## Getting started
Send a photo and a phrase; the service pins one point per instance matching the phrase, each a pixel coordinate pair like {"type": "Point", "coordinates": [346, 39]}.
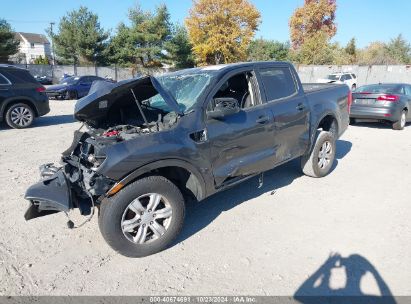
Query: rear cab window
{"type": "Point", "coordinates": [278, 83]}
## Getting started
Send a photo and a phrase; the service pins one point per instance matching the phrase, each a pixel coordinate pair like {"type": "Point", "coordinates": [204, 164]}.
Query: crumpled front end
{"type": "Point", "coordinates": [75, 184]}
{"type": "Point", "coordinates": [50, 195]}
{"type": "Point", "coordinates": [112, 114]}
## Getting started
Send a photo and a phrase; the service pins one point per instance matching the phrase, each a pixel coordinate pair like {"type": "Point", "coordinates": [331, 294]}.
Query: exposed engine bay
{"type": "Point", "coordinates": [119, 113]}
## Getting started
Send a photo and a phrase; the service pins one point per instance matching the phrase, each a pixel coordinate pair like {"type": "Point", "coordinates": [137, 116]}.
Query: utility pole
{"type": "Point", "coordinates": [53, 56]}
{"type": "Point", "coordinates": [52, 43]}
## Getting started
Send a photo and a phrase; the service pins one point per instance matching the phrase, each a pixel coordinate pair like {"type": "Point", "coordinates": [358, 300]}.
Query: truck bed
{"type": "Point", "coordinates": [322, 96]}
{"type": "Point", "coordinates": [315, 87]}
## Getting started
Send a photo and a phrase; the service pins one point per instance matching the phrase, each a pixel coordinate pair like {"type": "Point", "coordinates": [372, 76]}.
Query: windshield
{"type": "Point", "coordinates": [69, 80]}
{"type": "Point", "coordinates": [380, 89]}
{"type": "Point", "coordinates": [185, 88]}
{"type": "Point", "coordinates": [333, 77]}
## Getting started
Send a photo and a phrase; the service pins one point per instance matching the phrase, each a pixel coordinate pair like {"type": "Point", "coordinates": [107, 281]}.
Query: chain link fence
{"type": "Point", "coordinates": [56, 72]}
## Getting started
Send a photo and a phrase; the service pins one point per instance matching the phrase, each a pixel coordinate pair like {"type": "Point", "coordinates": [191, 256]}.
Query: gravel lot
{"type": "Point", "coordinates": [245, 241]}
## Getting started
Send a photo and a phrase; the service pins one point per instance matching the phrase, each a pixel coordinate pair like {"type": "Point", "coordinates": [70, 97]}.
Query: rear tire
{"type": "Point", "coordinates": [400, 124]}
{"type": "Point", "coordinates": [319, 162]}
{"type": "Point", "coordinates": [71, 95]}
{"type": "Point", "coordinates": [131, 228]}
{"type": "Point", "coordinates": [19, 116]}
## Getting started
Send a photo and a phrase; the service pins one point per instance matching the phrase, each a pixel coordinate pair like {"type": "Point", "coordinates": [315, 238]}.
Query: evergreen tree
{"type": "Point", "coordinates": [9, 45]}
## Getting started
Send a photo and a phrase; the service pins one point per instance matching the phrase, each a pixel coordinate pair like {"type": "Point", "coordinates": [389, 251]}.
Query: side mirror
{"type": "Point", "coordinates": [224, 106]}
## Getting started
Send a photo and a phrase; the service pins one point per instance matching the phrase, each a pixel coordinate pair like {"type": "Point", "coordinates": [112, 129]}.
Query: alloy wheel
{"type": "Point", "coordinates": [146, 218]}
{"type": "Point", "coordinates": [403, 119]}
{"type": "Point", "coordinates": [21, 116]}
{"type": "Point", "coordinates": [325, 155]}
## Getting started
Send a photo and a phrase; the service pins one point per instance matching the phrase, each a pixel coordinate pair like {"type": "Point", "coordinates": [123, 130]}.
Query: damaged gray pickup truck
{"type": "Point", "coordinates": [149, 145]}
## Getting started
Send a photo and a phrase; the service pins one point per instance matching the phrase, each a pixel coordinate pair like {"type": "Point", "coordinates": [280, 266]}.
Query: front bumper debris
{"type": "Point", "coordinates": [51, 195]}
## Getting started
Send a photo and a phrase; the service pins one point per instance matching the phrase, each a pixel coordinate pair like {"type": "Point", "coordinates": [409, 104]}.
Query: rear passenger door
{"type": "Point", "coordinates": [5, 89]}
{"type": "Point", "coordinates": [289, 109]}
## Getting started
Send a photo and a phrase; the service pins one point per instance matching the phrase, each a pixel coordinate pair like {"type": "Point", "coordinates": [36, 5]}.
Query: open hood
{"type": "Point", "coordinates": [103, 95]}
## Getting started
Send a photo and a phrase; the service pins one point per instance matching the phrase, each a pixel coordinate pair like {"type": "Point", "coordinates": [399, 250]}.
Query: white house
{"type": "Point", "coordinates": [31, 47]}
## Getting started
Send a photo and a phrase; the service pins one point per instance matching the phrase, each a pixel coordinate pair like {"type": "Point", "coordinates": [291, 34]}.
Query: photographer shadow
{"type": "Point", "coordinates": [318, 287]}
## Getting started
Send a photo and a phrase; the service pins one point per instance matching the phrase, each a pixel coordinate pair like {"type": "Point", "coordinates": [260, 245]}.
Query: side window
{"type": "Point", "coordinates": [86, 80]}
{"type": "Point", "coordinates": [3, 80]}
{"type": "Point", "coordinates": [278, 83]}
{"type": "Point", "coordinates": [240, 87]}
{"type": "Point", "coordinates": [348, 77]}
{"type": "Point", "coordinates": [19, 76]}
{"type": "Point", "coordinates": [408, 90]}
{"type": "Point", "coordinates": [343, 78]}
{"type": "Point", "coordinates": [93, 78]}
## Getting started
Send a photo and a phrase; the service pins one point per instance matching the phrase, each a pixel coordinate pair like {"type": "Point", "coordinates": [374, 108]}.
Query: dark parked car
{"type": "Point", "coordinates": [72, 87]}
{"type": "Point", "coordinates": [153, 143]}
{"type": "Point", "coordinates": [384, 102]}
{"type": "Point", "coordinates": [22, 98]}
{"type": "Point", "coordinates": [45, 80]}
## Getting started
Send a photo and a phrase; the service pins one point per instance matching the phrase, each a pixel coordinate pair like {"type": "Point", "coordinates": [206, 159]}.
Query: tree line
{"type": "Point", "coordinates": [214, 32]}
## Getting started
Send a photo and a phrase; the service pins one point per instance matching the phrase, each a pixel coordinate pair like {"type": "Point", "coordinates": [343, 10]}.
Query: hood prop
{"type": "Point", "coordinates": [141, 110]}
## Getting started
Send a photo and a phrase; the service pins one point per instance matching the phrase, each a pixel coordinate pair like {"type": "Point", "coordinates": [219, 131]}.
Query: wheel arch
{"type": "Point", "coordinates": [327, 122]}
{"type": "Point", "coordinates": [184, 175]}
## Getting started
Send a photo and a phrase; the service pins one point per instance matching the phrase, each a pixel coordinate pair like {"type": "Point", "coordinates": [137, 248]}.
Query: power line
{"type": "Point", "coordinates": [27, 21]}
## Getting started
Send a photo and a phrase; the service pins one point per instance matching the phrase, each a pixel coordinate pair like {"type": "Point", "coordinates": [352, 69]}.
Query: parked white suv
{"type": "Point", "coordinates": [350, 79]}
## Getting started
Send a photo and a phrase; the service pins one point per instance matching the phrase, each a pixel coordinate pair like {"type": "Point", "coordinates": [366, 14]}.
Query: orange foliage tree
{"type": "Point", "coordinates": [314, 17]}
{"type": "Point", "coordinates": [221, 30]}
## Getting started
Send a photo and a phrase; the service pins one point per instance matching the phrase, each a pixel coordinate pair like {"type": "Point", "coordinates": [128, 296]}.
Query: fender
{"type": "Point", "coordinates": [158, 165]}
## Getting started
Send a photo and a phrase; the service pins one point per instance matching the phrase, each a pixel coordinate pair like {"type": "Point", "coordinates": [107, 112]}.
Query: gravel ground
{"type": "Point", "coordinates": [249, 241]}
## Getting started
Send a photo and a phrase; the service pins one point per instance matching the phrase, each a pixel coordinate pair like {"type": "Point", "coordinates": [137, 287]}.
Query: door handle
{"type": "Point", "coordinates": [300, 107]}
{"type": "Point", "coordinates": [262, 119]}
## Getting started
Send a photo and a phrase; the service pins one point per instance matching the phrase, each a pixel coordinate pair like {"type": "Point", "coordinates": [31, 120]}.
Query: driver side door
{"type": "Point", "coordinates": [239, 145]}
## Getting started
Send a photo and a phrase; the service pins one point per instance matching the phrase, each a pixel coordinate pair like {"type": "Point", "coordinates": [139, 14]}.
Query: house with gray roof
{"type": "Point", "coordinates": [31, 47]}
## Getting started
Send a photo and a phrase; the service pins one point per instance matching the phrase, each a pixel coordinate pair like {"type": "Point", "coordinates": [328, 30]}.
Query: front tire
{"type": "Point", "coordinates": [400, 124]}
{"type": "Point", "coordinates": [319, 162]}
{"type": "Point", "coordinates": [143, 218]}
{"type": "Point", "coordinates": [19, 116]}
